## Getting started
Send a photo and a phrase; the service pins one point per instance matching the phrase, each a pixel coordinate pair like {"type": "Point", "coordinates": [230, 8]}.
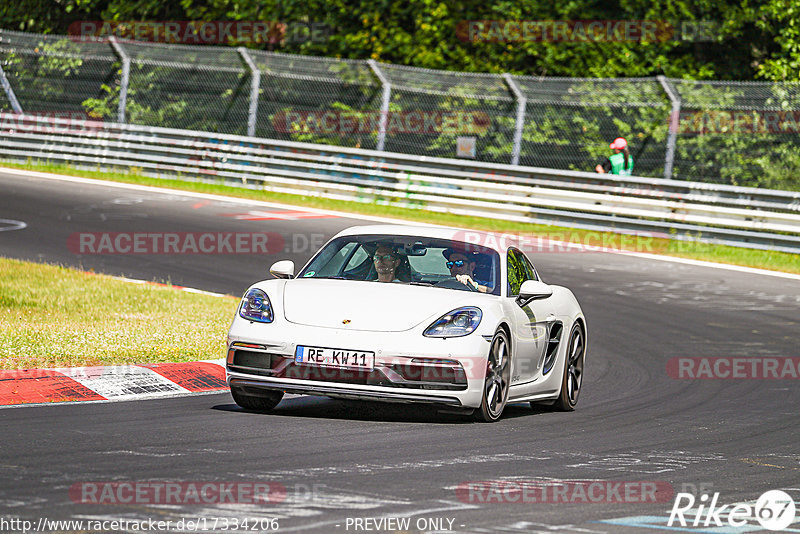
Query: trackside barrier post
{"type": "Point", "coordinates": [124, 78]}
{"type": "Point", "coordinates": [255, 85]}
{"type": "Point", "coordinates": [12, 98]}
{"type": "Point", "coordinates": [520, 120]}
{"type": "Point", "coordinates": [669, 160]}
{"type": "Point", "coordinates": [387, 91]}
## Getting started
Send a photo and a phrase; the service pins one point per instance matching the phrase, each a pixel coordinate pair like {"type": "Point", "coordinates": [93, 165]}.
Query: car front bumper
{"type": "Point", "coordinates": [408, 367]}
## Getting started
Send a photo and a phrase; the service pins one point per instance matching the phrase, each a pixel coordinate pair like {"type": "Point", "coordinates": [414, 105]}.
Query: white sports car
{"type": "Point", "coordinates": [449, 317]}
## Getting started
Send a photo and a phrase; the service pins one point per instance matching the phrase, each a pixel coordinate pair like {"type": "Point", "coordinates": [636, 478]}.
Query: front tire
{"type": "Point", "coordinates": [498, 377]}
{"type": "Point", "coordinates": [264, 402]}
{"type": "Point", "coordinates": [573, 370]}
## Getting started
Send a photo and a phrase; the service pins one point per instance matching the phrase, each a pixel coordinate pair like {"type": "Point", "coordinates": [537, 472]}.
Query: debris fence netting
{"type": "Point", "coordinates": [742, 133]}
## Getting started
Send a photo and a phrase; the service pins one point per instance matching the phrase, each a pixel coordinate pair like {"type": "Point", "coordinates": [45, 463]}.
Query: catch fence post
{"type": "Point", "coordinates": [522, 102]}
{"type": "Point", "coordinates": [672, 138]}
{"type": "Point", "coordinates": [255, 85]}
{"type": "Point", "coordinates": [387, 91]}
{"type": "Point", "coordinates": [12, 98]}
{"type": "Point", "coordinates": [124, 78]}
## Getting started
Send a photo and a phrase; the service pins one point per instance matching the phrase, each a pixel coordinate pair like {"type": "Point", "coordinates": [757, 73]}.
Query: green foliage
{"type": "Point", "coordinates": [779, 168]}
{"type": "Point", "coordinates": [743, 40]}
{"type": "Point", "coordinates": [780, 19]}
{"type": "Point", "coordinates": [747, 39]}
{"type": "Point", "coordinates": [79, 318]}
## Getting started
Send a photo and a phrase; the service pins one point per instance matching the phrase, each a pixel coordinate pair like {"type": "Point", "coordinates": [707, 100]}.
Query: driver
{"type": "Point", "coordinates": [461, 267]}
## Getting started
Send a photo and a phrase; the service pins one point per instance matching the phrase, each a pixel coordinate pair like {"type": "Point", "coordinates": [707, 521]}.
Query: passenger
{"type": "Point", "coordinates": [462, 267]}
{"type": "Point", "coordinates": [386, 263]}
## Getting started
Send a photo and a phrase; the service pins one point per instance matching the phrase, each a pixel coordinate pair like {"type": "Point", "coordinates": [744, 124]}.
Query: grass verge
{"type": "Point", "coordinates": [53, 316]}
{"type": "Point", "coordinates": [762, 259]}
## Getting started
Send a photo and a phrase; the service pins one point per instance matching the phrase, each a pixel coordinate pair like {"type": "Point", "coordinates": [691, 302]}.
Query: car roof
{"type": "Point", "coordinates": [475, 237]}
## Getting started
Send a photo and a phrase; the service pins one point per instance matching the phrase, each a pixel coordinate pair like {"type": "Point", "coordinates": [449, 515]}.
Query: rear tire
{"type": "Point", "coordinates": [264, 402]}
{"type": "Point", "coordinates": [573, 370]}
{"type": "Point", "coordinates": [498, 379]}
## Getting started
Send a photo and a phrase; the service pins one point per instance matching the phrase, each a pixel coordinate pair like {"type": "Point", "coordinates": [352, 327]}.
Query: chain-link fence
{"type": "Point", "coordinates": [55, 74]}
{"type": "Point", "coordinates": [188, 87]}
{"type": "Point", "coordinates": [301, 97]}
{"type": "Point", "coordinates": [429, 110]}
{"type": "Point", "coordinates": [745, 133]}
{"type": "Point", "coordinates": [742, 133]}
{"type": "Point", "coordinates": [561, 111]}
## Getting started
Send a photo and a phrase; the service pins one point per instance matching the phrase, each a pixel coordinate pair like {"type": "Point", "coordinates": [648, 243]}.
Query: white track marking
{"type": "Point", "coordinates": [206, 196]}
{"type": "Point", "coordinates": [12, 225]}
{"type": "Point", "coordinates": [121, 382]}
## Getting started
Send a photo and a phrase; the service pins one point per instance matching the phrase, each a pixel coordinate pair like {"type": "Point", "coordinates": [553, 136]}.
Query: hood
{"type": "Point", "coordinates": [372, 306]}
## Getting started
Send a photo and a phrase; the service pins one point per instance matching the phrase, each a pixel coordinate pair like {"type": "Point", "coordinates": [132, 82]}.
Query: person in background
{"type": "Point", "coordinates": [621, 162]}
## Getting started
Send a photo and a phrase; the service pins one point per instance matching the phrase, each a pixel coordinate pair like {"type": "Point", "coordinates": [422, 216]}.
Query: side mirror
{"type": "Point", "coordinates": [533, 290]}
{"type": "Point", "coordinates": [282, 269]}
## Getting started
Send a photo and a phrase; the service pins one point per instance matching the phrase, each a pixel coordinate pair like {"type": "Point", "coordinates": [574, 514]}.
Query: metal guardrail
{"type": "Point", "coordinates": [723, 214]}
{"type": "Point", "coordinates": [700, 130]}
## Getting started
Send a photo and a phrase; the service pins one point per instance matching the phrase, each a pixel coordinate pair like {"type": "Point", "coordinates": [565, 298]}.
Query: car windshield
{"type": "Point", "coordinates": [408, 260]}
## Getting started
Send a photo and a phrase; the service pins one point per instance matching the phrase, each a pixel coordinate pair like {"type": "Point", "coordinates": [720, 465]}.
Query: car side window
{"type": "Point", "coordinates": [517, 271]}
{"type": "Point", "coordinates": [357, 258]}
{"type": "Point", "coordinates": [333, 266]}
{"type": "Point", "coordinates": [531, 272]}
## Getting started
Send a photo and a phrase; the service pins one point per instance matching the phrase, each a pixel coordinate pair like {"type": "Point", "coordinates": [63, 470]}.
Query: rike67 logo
{"type": "Point", "coordinates": [774, 510]}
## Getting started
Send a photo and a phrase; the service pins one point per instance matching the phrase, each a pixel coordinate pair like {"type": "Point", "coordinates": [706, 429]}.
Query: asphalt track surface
{"type": "Point", "coordinates": [341, 461]}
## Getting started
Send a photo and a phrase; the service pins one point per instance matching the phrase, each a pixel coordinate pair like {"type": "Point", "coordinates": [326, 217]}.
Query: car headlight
{"type": "Point", "coordinates": [459, 322]}
{"type": "Point", "coordinates": [256, 306]}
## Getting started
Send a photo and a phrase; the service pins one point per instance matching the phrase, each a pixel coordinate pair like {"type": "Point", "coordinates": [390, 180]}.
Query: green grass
{"type": "Point", "coordinates": [763, 259]}
{"type": "Point", "coordinates": [53, 316]}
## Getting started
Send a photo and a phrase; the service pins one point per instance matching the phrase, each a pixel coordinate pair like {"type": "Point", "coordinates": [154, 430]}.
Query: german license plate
{"type": "Point", "coordinates": [328, 357]}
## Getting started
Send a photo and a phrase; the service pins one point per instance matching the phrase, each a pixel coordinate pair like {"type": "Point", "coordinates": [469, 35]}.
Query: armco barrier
{"type": "Point", "coordinates": [739, 216]}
